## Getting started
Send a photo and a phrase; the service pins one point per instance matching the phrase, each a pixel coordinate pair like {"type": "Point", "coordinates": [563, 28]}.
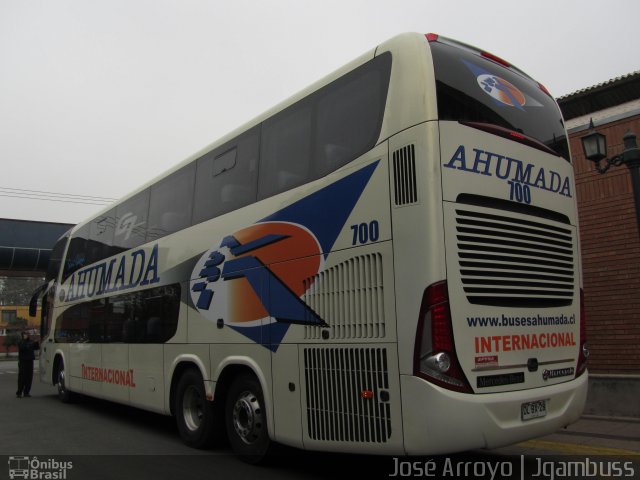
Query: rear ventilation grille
{"type": "Point", "coordinates": [404, 174]}
{"type": "Point", "coordinates": [508, 261]}
{"type": "Point", "coordinates": [337, 409]}
{"type": "Point", "coordinates": [349, 297]}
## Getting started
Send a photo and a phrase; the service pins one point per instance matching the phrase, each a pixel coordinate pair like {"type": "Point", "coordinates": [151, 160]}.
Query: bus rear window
{"type": "Point", "coordinates": [471, 88]}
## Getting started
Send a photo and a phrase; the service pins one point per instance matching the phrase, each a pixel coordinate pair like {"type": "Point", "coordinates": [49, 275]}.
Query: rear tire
{"type": "Point", "coordinates": [246, 420]}
{"type": "Point", "coordinates": [194, 413]}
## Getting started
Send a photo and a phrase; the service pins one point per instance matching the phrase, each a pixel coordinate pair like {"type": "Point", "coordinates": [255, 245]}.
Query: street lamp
{"type": "Point", "coordinates": [594, 145]}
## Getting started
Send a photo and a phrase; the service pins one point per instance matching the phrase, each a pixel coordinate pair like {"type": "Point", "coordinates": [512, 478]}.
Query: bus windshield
{"type": "Point", "coordinates": [471, 88]}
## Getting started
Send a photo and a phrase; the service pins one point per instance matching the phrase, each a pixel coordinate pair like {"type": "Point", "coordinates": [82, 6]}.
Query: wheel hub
{"type": "Point", "coordinates": [61, 385]}
{"type": "Point", "coordinates": [192, 408]}
{"type": "Point", "coordinates": [248, 419]}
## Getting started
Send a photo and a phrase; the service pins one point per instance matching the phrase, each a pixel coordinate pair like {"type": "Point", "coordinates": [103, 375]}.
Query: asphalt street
{"type": "Point", "coordinates": [94, 439]}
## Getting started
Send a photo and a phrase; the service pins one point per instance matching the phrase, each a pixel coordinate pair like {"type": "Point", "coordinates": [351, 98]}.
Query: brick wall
{"type": "Point", "coordinates": [610, 255]}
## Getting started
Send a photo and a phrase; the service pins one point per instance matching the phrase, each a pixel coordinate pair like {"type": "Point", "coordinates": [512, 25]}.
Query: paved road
{"type": "Point", "coordinates": [102, 440]}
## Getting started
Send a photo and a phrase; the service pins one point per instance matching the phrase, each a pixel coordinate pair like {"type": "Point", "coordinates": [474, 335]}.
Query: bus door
{"type": "Point", "coordinates": [157, 314]}
{"type": "Point", "coordinates": [81, 327]}
{"type": "Point", "coordinates": [115, 350]}
{"type": "Point", "coordinates": [46, 339]}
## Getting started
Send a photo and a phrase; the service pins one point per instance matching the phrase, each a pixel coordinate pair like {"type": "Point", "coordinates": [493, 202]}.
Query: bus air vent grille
{"type": "Point", "coordinates": [404, 175]}
{"type": "Point", "coordinates": [347, 391]}
{"type": "Point", "coordinates": [508, 261]}
{"type": "Point", "coordinates": [349, 297]}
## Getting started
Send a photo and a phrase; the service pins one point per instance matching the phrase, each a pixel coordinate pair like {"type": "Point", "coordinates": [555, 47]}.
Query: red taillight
{"type": "Point", "coordinates": [432, 37]}
{"type": "Point", "coordinates": [496, 59]}
{"type": "Point", "coordinates": [583, 354]}
{"type": "Point", "coordinates": [435, 356]}
{"type": "Point", "coordinates": [544, 89]}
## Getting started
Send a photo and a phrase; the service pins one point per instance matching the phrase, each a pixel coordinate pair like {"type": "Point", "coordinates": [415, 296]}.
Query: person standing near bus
{"type": "Point", "coordinates": [26, 356]}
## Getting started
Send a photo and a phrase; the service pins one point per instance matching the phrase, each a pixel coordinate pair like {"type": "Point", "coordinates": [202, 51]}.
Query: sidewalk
{"type": "Point", "coordinates": [591, 435]}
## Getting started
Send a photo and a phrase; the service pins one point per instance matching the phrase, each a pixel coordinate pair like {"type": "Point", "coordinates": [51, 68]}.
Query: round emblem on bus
{"type": "Point", "coordinates": [501, 90]}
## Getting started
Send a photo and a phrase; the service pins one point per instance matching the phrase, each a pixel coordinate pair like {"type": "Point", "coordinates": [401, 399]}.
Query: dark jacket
{"type": "Point", "coordinates": [26, 349]}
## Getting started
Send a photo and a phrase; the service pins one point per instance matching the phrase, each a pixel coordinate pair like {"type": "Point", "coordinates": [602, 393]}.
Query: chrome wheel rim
{"type": "Point", "coordinates": [192, 408]}
{"type": "Point", "coordinates": [61, 386]}
{"type": "Point", "coordinates": [248, 419]}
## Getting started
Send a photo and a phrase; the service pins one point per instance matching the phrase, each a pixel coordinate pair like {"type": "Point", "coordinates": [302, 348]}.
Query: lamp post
{"type": "Point", "coordinates": [594, 145]}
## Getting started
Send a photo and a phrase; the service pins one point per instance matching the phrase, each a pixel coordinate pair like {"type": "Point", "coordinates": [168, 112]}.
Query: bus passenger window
{"type": "Point", "coordinates": [348, 120]}
{"type": "Point", "coordinates": [170, 204]}
{"type": "Point", "coordinates": [101, 237]}
{"type": "Point", "coordinates": [227, 177]}
{"type": "Point", "coordinates": [285, 160]}
{"type": "Point", "coordinates": [131, 221]}
{"type": "Point", "coordinates": [77, 252]}
{"type": "Point", "coordinates": [55, 260]}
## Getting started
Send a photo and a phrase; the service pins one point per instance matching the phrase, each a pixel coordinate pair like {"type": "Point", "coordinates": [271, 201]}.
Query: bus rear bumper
{"type": "Point", "coordinates": [439, 421]}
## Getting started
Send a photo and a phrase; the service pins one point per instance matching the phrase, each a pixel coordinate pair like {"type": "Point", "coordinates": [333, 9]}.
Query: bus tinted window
{"type": "Point", "coordinates": [77, 252]}
{"type": "Point", "coordinates": [170, 204]}
{"type": "Point", "coordinates": [326, 130]}
{"type": "Point", "coordinates": [147, 316]}
{"type": "Point", "coordinates": [131, 221]}
{"type": "Point", "coordinates": [468, 90]}
{"type": "Point", "coordinates": [227, 177]}
{"type": "Point", "coordinates": [286, 150]}
{"type": "Point", "coordinates": [100, 241]}
{"type": "Point", "coordinates": [348, 119]}
{"type": "Point", "coordinates": [82, 323]}
{"type": "Point", "coordinates": [55, 259]}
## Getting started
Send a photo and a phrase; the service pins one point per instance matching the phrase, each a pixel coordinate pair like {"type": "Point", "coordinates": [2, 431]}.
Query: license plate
{"type": "Point", "coordinates": [535, 409]}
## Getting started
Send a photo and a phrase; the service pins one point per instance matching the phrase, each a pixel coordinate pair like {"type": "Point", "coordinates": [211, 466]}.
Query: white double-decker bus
{"type": "Point", "coordinates": [386, 263]}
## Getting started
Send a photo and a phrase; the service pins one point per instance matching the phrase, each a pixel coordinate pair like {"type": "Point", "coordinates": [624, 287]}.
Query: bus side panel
{"type": "Point", "coordinates": [287, 391]}
{"type": "Point", "coordinates": [352, 398]}
{"type": "Point", "coordinates": [418, 235]}
{"type": "Point", "coordinates": [115, 358]}
{"type": "Point", "coordinates": [146, 367]}
{"type": "Point", "coordinates": [349, 291]}
{"type": "Point", "coordinates": [85, 357]}
{"type": "Point", "coordinates": [48, 350]}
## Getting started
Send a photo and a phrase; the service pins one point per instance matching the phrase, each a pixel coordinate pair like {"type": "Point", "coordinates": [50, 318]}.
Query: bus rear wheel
{"type": "Point", "coordinates": [194, 413]}
{"type": "Point", "coordinates": [246, 420]}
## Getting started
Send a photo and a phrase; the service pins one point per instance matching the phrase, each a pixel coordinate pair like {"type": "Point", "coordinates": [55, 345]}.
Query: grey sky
{"type": "Point", "coordinates": [97, 97]}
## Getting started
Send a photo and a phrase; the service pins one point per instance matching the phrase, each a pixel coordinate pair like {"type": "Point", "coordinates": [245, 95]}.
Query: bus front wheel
{"type": "Point", "coordinates": [63, 394]}
{"type": "Point", "coordinates": [194, 413]}
{"type": "Point", "coordinates": [246, 420]}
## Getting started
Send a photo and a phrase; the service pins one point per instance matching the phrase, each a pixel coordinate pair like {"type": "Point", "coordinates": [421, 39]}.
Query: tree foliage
{"type": "Point", "coordinates": [18, 290]}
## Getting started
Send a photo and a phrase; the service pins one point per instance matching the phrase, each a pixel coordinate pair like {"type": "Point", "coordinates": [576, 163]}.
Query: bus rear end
{"type": "Point", "coordinates": [500, 349]}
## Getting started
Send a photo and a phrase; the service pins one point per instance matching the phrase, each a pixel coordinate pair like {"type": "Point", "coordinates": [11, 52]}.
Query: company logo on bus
{"type": "Point", "coordinates": [254, 279]}
{"type": "Point", "coordinates": [501, 90]}
{"type": "Point", "coordinates": [251, 284]}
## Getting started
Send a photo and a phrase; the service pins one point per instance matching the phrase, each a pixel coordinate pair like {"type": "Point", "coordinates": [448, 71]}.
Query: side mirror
{"type": "Point", "coordinates": [33, 303]}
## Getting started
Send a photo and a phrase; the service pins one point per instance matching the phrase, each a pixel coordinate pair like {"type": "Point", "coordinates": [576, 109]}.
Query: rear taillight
{"type": "Point", "coordinates": [435, 356]}
{"type": "Point", "coordinates": [432, 37]}
{"type": "Point", "coordinates": [544, 89]}
{"type": "Point", "coordinates": [496, 59]}
{"type": "Point", "coordinates": [583, 354]}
